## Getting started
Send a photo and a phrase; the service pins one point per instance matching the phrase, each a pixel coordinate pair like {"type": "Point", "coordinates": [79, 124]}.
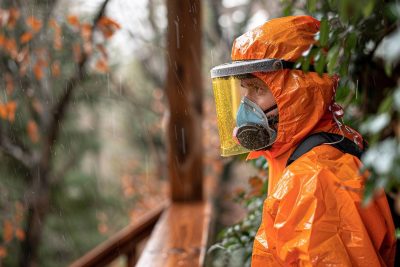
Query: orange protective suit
{"type": "Point", "coordinates": [312, 215]}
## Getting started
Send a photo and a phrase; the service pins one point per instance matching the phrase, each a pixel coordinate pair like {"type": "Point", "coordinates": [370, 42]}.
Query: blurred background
{"type": "Point", "coordinates": [84, 115]}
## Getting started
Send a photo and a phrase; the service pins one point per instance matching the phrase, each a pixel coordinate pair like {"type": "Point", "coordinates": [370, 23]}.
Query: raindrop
{"type": "Point", "coordinates": [183, 140]}
{"type": "Point", "coordinates": [177, 34]}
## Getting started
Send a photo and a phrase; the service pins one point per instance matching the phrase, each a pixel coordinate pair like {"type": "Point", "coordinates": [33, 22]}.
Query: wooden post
{"type": "Point", "coordinates": [184, 93]}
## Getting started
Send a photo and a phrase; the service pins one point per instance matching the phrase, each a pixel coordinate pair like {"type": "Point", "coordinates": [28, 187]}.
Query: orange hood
{"type": "Point", "coordinates": [303, 99]}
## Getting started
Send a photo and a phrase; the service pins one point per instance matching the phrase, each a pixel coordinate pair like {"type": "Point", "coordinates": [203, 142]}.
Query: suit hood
{"type": "Point", "coordinates": [303, 99]}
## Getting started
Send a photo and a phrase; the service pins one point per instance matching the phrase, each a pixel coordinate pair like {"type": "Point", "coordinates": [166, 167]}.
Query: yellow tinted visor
{"type": "Point", "coordinates": [227, 94]}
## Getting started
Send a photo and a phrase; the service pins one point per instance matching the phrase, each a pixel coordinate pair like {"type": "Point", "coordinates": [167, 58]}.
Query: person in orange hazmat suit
{"type": "Point", "coordinates": [312, 215]}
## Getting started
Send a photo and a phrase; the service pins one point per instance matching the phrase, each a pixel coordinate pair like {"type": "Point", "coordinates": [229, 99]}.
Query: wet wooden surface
{"type": "Point", "coordinates": [123, 242]}
{"type": "Point", "coordinates": [180, 237]}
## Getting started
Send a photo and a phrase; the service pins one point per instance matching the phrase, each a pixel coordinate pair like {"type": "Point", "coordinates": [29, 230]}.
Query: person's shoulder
{"type": "Point", "coordinates": [323, 165]}
{"type": "Point", "coordinates": [324, 158]}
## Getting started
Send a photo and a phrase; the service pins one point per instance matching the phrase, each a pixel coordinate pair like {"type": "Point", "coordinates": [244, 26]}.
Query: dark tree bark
{"type": "Point", "coordinates": [37, 209]}
{"type": "Point", "coordinates": [184, 92]}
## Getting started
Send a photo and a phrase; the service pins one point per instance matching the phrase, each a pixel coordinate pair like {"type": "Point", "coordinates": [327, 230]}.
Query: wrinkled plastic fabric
{"type": "Point", "coordinates": [312, 215]}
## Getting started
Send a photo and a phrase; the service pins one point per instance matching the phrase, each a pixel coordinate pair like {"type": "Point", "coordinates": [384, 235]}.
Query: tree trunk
{"type": "Point", "coordinates": [184, 92]}
{"type": "Point", "coordinates": [37, 208]}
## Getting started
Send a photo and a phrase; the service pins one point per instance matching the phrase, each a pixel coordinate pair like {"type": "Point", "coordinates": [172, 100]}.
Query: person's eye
{"type": "Point", "coordinates": [259, 90]}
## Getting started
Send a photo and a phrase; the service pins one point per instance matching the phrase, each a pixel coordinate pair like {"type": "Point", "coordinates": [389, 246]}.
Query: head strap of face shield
{"type": "Point", "coordinates": [243, 67]}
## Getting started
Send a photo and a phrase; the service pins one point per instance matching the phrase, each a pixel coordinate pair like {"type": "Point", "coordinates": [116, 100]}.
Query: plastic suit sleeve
{"type": "Point", "coordinates": [304, 225]}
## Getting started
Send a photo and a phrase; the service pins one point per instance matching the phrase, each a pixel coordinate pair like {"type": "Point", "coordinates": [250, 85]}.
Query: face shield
{"type": "Point", "coordinates": [242, 105]}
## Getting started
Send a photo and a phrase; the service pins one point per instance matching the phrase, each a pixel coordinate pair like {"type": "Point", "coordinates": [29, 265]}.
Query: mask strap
{"type": "Point", "coordinates": [339, 124]}
{"type": "Point", "coordinates": [270, 108]}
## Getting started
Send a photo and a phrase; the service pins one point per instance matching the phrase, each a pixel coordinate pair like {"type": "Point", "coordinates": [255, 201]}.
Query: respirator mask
{"type": "Point", "coordinates": [254, 130]}
{"type": "Point", "coordinates": [243, 125]}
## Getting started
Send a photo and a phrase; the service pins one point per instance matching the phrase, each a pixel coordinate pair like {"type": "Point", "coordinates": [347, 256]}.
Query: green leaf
{"type": "Point", "coordinates": [344, 67]}
{"type": "Point", "coordinates": [324, 32]}
{"type": "Point", "coordinates": [396, 99]}
{"type": "Point", "coordinates": [343, 10]}
{"type": "Point", "coordinates": [368, 193]}
{"type": "Point", "coordinates": [351, 41]}
{"type": "Point", "coordinates": [288, 8]}
{"type": "Point", "coordinates": [320, 64]}
{"type": "Point", "coordinates": [388, 68]}
{"type": "Point", "coordinates": [392, 11]}
{"type": "Point", "coordinates": [398, 233]}
{"type": "Point", "coordinates": [386, 105]}
{"type": "Point", "coordinates": [311, 5]}
{"type": "Point", "coordinates": [368, 8]}
{"type": "Point", "coordinates": [332, 4]}
{"type": "Point", "coordinates": [332, 58]}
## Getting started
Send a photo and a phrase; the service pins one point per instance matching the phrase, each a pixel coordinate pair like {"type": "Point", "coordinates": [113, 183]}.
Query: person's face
{"type": "Point", "coordinates": [257, 91]}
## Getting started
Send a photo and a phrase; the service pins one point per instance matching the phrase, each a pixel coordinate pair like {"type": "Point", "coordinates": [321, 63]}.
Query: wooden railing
{"type": "Point", "coordinates": [179, 235]}
{"type": "Point", "coordinates": [122, 243]}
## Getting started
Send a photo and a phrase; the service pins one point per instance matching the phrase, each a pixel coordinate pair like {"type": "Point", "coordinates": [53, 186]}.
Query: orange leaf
{"type": "Point", "coordinates": [34, 23]}
{"type": "Point", "coordinates": [57, 43]}
{"type": "Point", "coordinates": [106, 21]}
{"type": "Point", "coordinates": [73, 20]}
{"type": "Point", "coordinates": [11, 107]}
{"type": "Point", "coordinates": [9, 83]}
{"type": "Point", "coordinates": [3, 252]}
{"type": "Point", "coordinates": [3, 111]}
{"type": "Point", "coordinates": [11, 47]}
{"type": "Point", "coordinates": [55, 68]}
{"type": "Point", "coordinates": [256, 185]}
{"type": "Point", "coordinates": [2, 40]}
{"type": "Point", "coordinates": [86, 31]}
{"type": "Point", "coordinates": [26, 37]}
{"type": "Point", "coordinates": [38, 71]}
{"type": "Point", "coordinates": [20, 234]}
{"type": "Point", "coordinates": [102, 66]}
{"type": "Point", "coordinates": [103, 228]}
{"type": "Point", "coordinates": [107, 26]}
{"type": "Point", "coordinates": [7, 231]}
{"type": "Point", "coordinates": [33, 132]}
{"type": "Point", "coordinates": [13, 17]}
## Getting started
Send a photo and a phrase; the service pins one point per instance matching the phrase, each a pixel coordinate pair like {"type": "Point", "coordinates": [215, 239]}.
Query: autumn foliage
{"type": "Point", "coordinates": [17, 48]}
{"type": "Point", "coordinates": [12, 228]}
{"type": "Point", "coordinates": [32, 64]}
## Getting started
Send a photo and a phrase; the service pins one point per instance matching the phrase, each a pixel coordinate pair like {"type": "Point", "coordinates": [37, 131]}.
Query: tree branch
{"type": "Point", "coordinates": [16, 152]}
{"type": "Point", "coordinates": [58, 111]}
